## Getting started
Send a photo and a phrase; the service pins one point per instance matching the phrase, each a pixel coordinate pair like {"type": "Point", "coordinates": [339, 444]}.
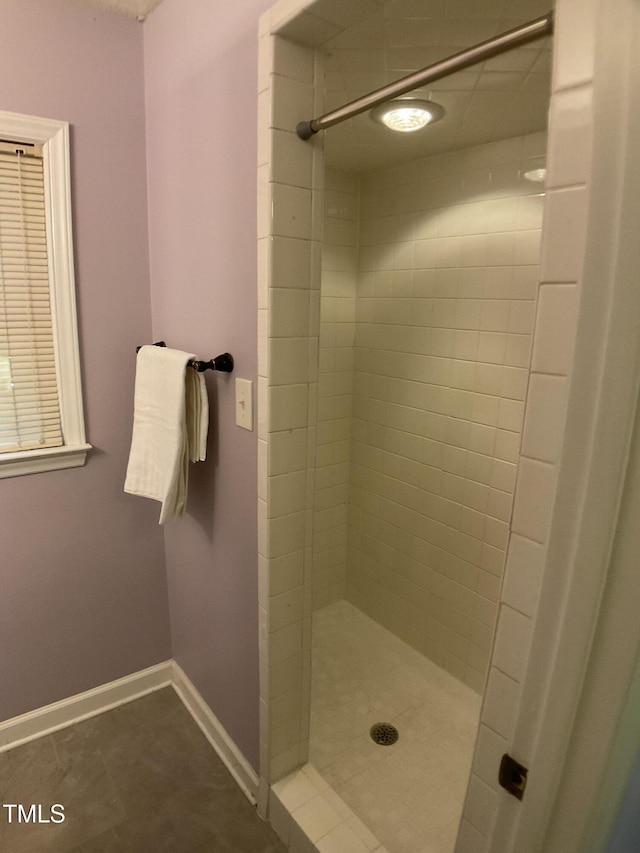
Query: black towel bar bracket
{"type": "Point", "coordinates": [222, 363]}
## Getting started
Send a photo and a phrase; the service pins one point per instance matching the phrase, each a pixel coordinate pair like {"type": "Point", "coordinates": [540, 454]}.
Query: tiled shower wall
{"type": "Point", "coordinates": [335, 386]}
{"type": "Point", "coordinates": [283, 420]}
{"type": "Point", "coordinates": [447, 278]}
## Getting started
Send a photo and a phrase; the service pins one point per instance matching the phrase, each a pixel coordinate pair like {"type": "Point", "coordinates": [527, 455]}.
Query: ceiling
{"type": "Point", "coordinates": [505, 96]}
{"type": "Point", "coordinates": [385, 40]}
{"type": "Point", "coordinates": [133, 8]}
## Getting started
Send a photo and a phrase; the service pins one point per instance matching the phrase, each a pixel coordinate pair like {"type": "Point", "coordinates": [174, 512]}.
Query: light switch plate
{"type": "Point", "coordinates": [244, 403]}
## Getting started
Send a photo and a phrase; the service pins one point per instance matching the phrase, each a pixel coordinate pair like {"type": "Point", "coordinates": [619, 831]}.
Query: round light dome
{"type": "Point", "coordinates": [536, 175]}
{"type": "Point", "coordinates": [407, 114]}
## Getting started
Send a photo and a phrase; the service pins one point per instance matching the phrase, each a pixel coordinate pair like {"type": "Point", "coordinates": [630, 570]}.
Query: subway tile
{"type": "Point", "coordinates": [287, 407]}
{"type": "Point", "coordinates": [534, 499]}
{"type": "Point", "coordinates": [263, 343]}
{"type": "Point", "coordinates": [291, 159]}
{"type": "Point", "coordinates": [511, 649]}
{"type": "Point", "coordinates": [286, 534]}
{"type": "Point", "coordinates": [298, 840]}
{"type": "Point", "coordinates": [286, 572]}
{"type": "Point", "coordinates": [525, 279]}
{"type": "Point", "coordinates": [295, 790]}
{"type": "Point", "coordinates": [500, 504]}
{"type": "Point", "coordinates": [343, 182]}
{"type": "Point", "coordinates": [489, 749]}
{"type": "Point", "coordinates": [574, 36]}
{"type": "Point", "coordinates": [264, 203]}
{"type": "Point", "coordinates": [285, 713]}
{"type": "Point", "coordinates": [362, 832]}
{"type": "Point", "coordinates": [289, 361]}
{"type": "Point", "coordinates": [511, 415]}
{"type": "Point", "coordinates": [281, 764]}
{"type": "Point", "coordinates": [529, 212]}
{"type": "Point", "coordinates": [523, 574]}
{"type": "Point", "coordinates": [342, 839]}
{"type": "Point", "coordinates": [500, 703]}
{"type": "Point", "coordinates": [491, 347]}
{"type": "Point", "coordinates": [285, 643]}
{"type": "Point", "coordinates": [263, 407]}
{"type": "Point", "coordinates": [527, 247]}
{"type": "Point", "coordinates": [263, 580]}
{"type": "Point", "coordinates": [317, 780]}
{"type": "Point", "coordinates": [287, 451]}
{"type": "Point", "coordinates": [545, 417]}
{"type": "Point", "coordinates": [570, 117]}
{"type": "Point", "coordinates": [555, 329]}
{"type": "Point", "coordinates": [564, 235]}
{"type": "Point", "coordinates": [317, 817]}
{"type": "Point", "coordinates": [291, 211]}
{"type": "Point", "coordinates": [449, 402]}
{"type": "Point", "coordinates": [534, 144]}
{"type": "Point", "coordinates": [264, 261]}
{"type": "Point", "coordinates": [293, 60]}
{"type": "Point", "coordinates": [263, 528]}
{"type": "Point", "coordinates": [291, 99]}
{"type": "Point", "coordinates": [507, 449]}
{"type": "Point", "coordinates": [262, 470]}
{"type": "Point", "coordinates": [290, 262]}
{"type": "Point", "coordinates": [287, 493]}
{"type": "Point", "coordinates": [279, 818]}
{"type": "Point", "coordinates": [470, 840]}
{"type": "Point", "coordinates": [264, 130]}
{"type": "Point", "coordinates": [492, 559]}
{"type": "Point", "coordinates": [514, 383]}
{"type": "Point", "coordinates": [285, 678]}
{"type": "Point", "coordinates": [517, 350]}
{"type": "Point", "coordinates": [481, 806]}
{"type": "Point", "coordinates": [521, 317]}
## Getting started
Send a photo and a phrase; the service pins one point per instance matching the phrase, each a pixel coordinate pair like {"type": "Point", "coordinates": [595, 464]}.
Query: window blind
{"type": "Point", "coordinates": [29, 404]}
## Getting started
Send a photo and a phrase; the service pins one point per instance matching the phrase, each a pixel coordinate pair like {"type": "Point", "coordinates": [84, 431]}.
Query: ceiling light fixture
{"type": "Point", "coordinates": [536, 175]}
{"type": "Point", "coordinates": [407, 114]}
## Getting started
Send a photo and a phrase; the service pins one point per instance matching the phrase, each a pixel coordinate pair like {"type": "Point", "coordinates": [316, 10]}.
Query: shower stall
{"type": "Point", "coordinates": [402, 276]}
{"type": "Point", "coordinates": [429, 281]}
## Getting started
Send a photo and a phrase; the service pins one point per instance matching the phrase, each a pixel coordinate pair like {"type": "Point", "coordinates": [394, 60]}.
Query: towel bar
{"type": "Point", "coordinates": [222, 363]}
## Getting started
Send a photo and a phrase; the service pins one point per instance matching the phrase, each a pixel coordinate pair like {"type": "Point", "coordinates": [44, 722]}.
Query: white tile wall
{"type": "Point", "coordinates": [339, 264]}
{"type": "Point", "coordinates": [500, 704]}
{"type": "Point", "coordinates": [288, 331]}
{"type": "Point", "coordinates": [447, 285]}
{"type": "Point", "coordinates": [289, 258]}
{"type": "Point", "coordinates": [525, 563]}
{"type": "Point", "coordinates": [557, 309]}
{"type": "Point", "coordinates": [546, 414]}
{"type": "Point", "coordinates": [564, 239]}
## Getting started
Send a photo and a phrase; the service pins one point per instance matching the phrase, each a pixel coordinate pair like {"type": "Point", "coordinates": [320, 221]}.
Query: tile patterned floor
{"type": "Point", "coordinates": [410, 794]}
{"type": "Point", "coordinates": [139, 779]}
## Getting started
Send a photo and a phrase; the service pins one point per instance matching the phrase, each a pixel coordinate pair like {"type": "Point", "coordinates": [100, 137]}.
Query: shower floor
{"type": "Point", "coordinates": [410, 794]}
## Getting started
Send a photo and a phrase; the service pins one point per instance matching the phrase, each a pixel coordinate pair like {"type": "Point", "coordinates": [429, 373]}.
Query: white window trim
{"type": "Point", "coordinates": [54, 137]}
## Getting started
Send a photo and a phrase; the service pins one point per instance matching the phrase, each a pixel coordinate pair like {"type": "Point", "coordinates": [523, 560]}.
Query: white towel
{"type": "Point", "coordinates": [171, 414]}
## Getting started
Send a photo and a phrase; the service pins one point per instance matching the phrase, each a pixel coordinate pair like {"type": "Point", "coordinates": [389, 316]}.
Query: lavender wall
{"type": "Point", "coordinates": [200, 66]}
{"type": "Point", "coordinates": [83, 596]}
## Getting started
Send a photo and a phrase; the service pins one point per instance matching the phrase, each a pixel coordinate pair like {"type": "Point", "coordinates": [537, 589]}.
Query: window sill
{"type": "Point", "coordinates": [38, 461]}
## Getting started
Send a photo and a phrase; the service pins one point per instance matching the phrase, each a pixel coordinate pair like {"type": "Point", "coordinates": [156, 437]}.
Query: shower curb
{"type": "Point", "coordinates": [308, 815]}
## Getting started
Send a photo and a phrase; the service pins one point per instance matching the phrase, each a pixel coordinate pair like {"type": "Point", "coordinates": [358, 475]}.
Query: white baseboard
{"type": "Point", "coordinates": [214, 731]}
{"type": "Point", "coordinates": [67, 712]}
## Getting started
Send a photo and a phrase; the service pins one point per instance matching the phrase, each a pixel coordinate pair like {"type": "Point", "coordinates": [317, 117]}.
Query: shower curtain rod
{"type": "Point", "coordinates": [516, 37]}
